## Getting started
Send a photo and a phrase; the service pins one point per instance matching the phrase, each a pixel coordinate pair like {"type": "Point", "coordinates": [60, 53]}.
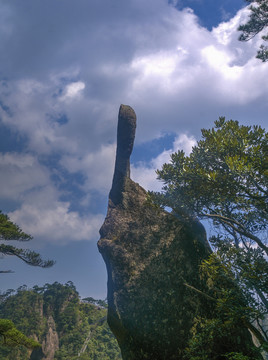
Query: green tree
{"type": "Point", "coordinates": [79, 325]}
{"type": "Point", "coordinates": [258, 21]}
{"type": "Point", "coordinates": [11, 231]}
{"type": "Point", "coordinates": [235, 305]}
{"type": "Point", "coordinates": [224, 180]}
{"type": "Point", "coordinates": [101, 303]}
{"type": "Point", "coordinates": [10, 336]}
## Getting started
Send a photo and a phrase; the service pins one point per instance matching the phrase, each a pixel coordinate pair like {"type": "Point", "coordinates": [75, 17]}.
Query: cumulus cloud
{"type": "Point", "coordinates": [34, 109]}
{"type": "Point", "coordinates": [64, 82]}
{"type": "Point", "coordinates": [73, 90]}
{"type": "Point", "coordinates": [145, 173]}
{"type": "Point", "coordinates": [40, 211]}
{"type": "Point", "coordinates": [56, 223]}
{"type": "Point", "coordinates": [96, 166]}
{"type": "Point", "coordinates": [175, 74]}
{"type": "Point", "coordinates": [20, 173]}
{"type": "Point", "coordinates": [206, 74]}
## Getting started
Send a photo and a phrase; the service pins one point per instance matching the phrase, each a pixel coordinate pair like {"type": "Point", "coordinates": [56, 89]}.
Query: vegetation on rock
{"type": "Point", "coordinates": [57, 308]}
{"type": "Point", "coordinates": [153, 259]}
{"type": "Point", "coordinates": [10, 336]}
{"type": "Point", "coordinates": [225, 179]}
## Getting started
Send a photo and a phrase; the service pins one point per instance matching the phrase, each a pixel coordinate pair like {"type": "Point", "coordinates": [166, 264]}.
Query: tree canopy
{"type": "Point", "coordinates": [80, 325]}
{"type": "Point", "coordinates": [11, 231]}
{"type": "Point", "coordinates": [258, 21]}
{"type": "Point", "coordinates": [224, 180]}
{"type": "Point", "coordinates": [10, 336]}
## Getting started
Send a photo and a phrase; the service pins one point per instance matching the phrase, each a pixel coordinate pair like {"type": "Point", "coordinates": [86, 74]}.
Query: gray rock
{"type": "Point", "coordinates": [125, 140]}
{"type": "Point", "coordinates": [150, 255]}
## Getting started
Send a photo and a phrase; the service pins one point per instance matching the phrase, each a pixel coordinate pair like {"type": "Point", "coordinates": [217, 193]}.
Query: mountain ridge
{"type": "Point", "coordinates": [56, 317]}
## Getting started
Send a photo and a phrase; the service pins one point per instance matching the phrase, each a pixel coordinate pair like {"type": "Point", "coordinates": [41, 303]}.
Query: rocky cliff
{"type": "Point", "coordinates": [151, 256]}
{"type": "Point", "coordinates": [66, 327]}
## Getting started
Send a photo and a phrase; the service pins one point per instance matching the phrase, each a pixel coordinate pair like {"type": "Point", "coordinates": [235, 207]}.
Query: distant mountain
{"type": "Point", "coordinates": [67, 327]}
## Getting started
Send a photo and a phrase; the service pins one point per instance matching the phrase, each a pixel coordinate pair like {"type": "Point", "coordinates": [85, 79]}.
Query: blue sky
{"type": "Point", "coordinates": [65, 68]}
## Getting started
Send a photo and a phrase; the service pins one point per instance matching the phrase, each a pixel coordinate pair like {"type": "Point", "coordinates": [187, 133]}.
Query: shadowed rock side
{"type": "Point", "coordinates": [126, 129]}
{"type": "Point", "coordinates": [149, 255]}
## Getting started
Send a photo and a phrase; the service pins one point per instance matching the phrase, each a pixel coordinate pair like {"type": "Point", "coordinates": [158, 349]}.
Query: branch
{"type": "Point", "coordinates": [233, 233]}
{"type": "Point", "coordinates": [258, 186]}
{"type": "Point", "coordinates": [251, 327]}
{"type": "Point", "coordinates": [255, 332]}
{"type": "Point", "coordinates": [200, 292]}
{"type": "Point", "coordinates": [224, 219]}
{"type": "Point", "coordinates": [28, 256]}
{"type": "Point", "coordinates": [262, 329]}
{"type": "Point", "coordinates": [240, 229]}
{"type": "Point", "coordinates": [260, 294]}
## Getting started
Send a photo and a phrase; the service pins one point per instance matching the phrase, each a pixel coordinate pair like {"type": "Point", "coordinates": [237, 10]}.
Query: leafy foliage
{"type": "Point", "coordinates": [102, 303]}
{"type": "Point", "coordinates": [28, 256]}
{"type": "Point", "coordinates": [224, 180]}
{"type": "Point", "coordinates": [10, 336]}
{"type": "Point", "coordinates": [257, 22]}
{"type": "Point", "coordinates": [207, 341]}
{"type": "Point", "coordinates": [235, 306]}
{"type": "Point", "coordinates": [11, 231]}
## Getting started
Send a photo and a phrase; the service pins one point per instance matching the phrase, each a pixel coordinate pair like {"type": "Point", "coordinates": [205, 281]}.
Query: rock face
{"type": "Point", "coordinates": [63, 324]}
{"type": "Point", "coordinates": [152, 259]}
{"type": "Point", "coordinates": [150, 255]}
{"type": "Point", "coordinates": [51, 344]}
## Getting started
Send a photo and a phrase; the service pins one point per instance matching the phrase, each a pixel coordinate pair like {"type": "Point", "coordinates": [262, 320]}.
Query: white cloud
{"type": "Point", "coordinates": [35, 108]}
{"type": "Point", "coordinates": [40, 211]}
{"type": "Point", "coordinates": [210, 68]}
{"type": "Point", "coordinates": [164, 63]}
{"type": "Point", "coordinates": [161, 64]}
{"type": "Point", "coordinates": [31, 103]}
{"type": "Point", "coordinates": [20, 174]}
{"type": "Point", "coordinates": [177, 75]}
{"type": "Point", "coordinates": [56, 223]}
{"type": "Point", "coordinates": [145, 174]}
{"type": "Point", "coordinates": [184, 142]}
{"type": "Point", "coordinates": [226, 32]}
{"type": "Point", "coordinates": [97, 166]}
{"type": "Point", "coordinates": [73, 90]}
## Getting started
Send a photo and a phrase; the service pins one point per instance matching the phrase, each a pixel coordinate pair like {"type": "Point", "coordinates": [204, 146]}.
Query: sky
{"type": "Point", "coordinates": [65, 68]}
